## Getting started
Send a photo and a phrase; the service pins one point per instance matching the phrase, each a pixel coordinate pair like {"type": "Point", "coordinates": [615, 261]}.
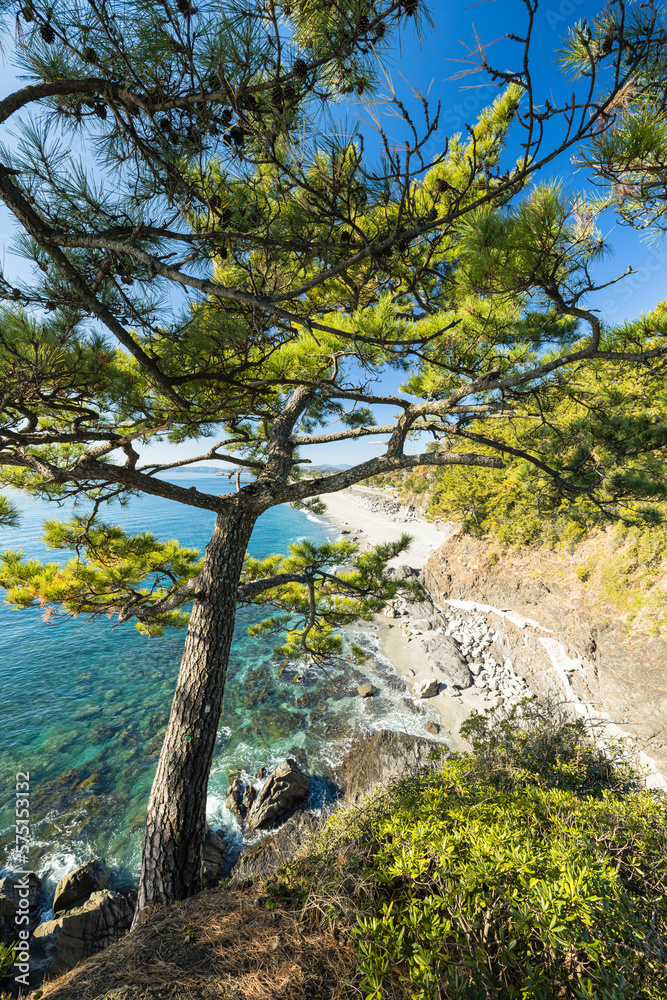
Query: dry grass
{"type": "Point", "coordinates": [218, 944]}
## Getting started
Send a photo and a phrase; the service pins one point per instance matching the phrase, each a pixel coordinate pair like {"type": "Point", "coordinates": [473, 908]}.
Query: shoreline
{"type": "Point", "coordinates": [347, 512]}
{"type": "Point", "coordinates": [400, 640]}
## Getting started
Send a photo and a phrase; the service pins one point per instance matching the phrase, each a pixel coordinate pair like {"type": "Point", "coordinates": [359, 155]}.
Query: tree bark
{"type": "Point", "coordinates": [172, 857]}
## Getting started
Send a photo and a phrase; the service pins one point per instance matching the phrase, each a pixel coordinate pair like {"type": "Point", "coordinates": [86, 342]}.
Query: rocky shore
{"type": "Point", "coordinates": [88, 915]}
{"type": "Point", "coordinates": [481, 638]}
{"type": "Point", "coordinates": [522, 628]}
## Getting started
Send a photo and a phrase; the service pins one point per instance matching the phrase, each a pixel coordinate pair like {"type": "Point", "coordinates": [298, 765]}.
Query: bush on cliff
{"type": "Point", "coordinates": [533, 868]}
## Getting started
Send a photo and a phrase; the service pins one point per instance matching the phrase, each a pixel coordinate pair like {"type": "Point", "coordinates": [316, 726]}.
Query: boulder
{"type": "Point", "coordinates": [402, 572]}
{"type": "Point", "coordinates": [428, 688]}
{"type": "Point", "coordinates": [234, 799]}
{"type": "Point", "coordinates": [385, 756]}
{"type": "Point", "coordinates": [285, 789]}
{"type": "Point", "coordinates": [81, 931]}
{"type": "Point", "coordinates": [424, 610]}
{"type": "Point", "coordinates": [249, 796]}
{"type": "Point", "coordinates": [80, 883]}
{"type": "Point", "coordinates": [445, 656]}
{"type": "Point", "coordinates": [215, 858]}
{"type": "Point", "coordinates": [421, 624]}
{"type": "Point", "coordinates": [433, 728]}
{"type": "Point", "coordinates": [366, 690]}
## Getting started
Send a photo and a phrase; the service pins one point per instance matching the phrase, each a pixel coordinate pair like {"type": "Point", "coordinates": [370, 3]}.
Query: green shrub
{"type": "Point", "coordinates": [7, 959]}
{"type": "Point", "coordinates": [532, 868]}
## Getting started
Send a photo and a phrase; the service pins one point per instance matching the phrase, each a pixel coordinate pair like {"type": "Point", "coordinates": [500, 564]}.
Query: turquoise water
{"type": "Point", "coordinates": [85, 704]}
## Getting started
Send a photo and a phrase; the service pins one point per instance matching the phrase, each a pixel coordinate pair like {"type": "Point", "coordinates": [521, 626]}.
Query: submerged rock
{"type": "Point", "coordinates": [285, 789]}
{"type": "Point", "coordinates": [79, 884]}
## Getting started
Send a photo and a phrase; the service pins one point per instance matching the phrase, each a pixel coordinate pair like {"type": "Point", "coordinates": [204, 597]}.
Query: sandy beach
{"type": "Point", "coordinates": [370, 517]}
{"type": "Point", "coordinates": [349, 510]}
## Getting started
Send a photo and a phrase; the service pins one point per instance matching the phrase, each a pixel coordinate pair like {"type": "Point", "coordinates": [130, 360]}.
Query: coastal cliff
{"type": "Point", "coordinates": [559, 632]}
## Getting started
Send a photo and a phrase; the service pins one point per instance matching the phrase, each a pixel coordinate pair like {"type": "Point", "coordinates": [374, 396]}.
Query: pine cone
{"type": "Point", "coordinates": [47, 33]}
{"type": "Point", "coordinates": [277, 97]}
{"type": "Point", "coordinates": [90, 56]}
{"type": "Point", "coordinates": [289, 93]}
{"type": "Point", "coordinates": [363, 24]}
{"type": "Point", "coordinates": [410, 7]}
{"type": "Point", "coordinates": [101, 111]}
{"type": "Point", "coordinates": [165, 125]}
{"type": "Point", "coordinates": [183, 6]}
{"type": "Point", "coordinates": [380, 31]}
{"type": "Point", "coordinates": [607, 44]}
{"type": "Point", "coordinates": [300, 69]}
{"type": "Point", "coordinates": [226, 116]}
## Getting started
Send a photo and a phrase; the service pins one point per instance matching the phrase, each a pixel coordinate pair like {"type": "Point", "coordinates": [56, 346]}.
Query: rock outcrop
{"type": "Point", "coordinates": [73, 888]}
{"type": "Point", "coordinates": [77, 933]}
{"type": "Point", "coordinates": [261, 859]}
{"type": "Point", "coordinates": [382, 758]}
{"type": "Point", "coordinates": [234, 799]}
{"type": "Point", "coordinates": [556, 634]}
{"type": "Point", "coordinates": [215, 857]}
{"type": "Point", "coordinates": [17, 898]}
{"type": "Point", "coordinates": [285, 789]}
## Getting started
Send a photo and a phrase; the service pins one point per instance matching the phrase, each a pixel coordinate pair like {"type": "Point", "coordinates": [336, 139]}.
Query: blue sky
{"type": "Point", "coordinates": [428, 65]}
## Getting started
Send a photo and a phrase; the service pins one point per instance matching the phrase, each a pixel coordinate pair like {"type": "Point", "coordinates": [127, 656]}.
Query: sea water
{"type": "Point", "coordinates": [85, 702]}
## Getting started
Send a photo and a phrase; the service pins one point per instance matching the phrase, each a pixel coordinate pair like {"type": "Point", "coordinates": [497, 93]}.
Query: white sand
{"type": "Point", "coordinates": [346, 510]}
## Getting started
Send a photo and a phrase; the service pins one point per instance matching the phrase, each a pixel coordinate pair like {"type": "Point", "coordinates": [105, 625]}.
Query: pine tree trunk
{"type": "Point", "coordinates": [175, 826]}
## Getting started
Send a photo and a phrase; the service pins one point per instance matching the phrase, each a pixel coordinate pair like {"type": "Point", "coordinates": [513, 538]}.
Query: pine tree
{"type": "Point", "coordinates": [628, 158]}
{"type": "Point", "coordinates": [219, 262]}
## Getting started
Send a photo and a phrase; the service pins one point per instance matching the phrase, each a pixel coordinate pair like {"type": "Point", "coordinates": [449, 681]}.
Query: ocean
{"type": "Point", "coordinates": [85, 703]}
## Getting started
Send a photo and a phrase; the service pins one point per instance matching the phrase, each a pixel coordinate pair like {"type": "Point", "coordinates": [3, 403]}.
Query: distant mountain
{"type": "Point", "coordinates": [216, 470]}
{"type": "Point", "coordinates": [206, 470]}
{"type": "Point", "coordinates": [326, 469]}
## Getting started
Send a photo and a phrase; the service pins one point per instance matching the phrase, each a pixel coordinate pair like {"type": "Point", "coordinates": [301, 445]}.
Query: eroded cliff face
{"type": "Point", "coordinates": [559, 635]}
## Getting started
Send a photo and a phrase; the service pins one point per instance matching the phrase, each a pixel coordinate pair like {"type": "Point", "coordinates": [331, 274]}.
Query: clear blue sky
{"type": "Point", "coordinates": [428, 65]}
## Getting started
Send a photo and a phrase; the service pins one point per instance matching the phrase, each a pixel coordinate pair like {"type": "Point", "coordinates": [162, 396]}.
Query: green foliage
{"type": "Point", "coordinates": [9, 514]}
{"type": "Point", "coordinates": [7, 959]}
{"type": "Point", "coordinates": [531, 868]}
{"type": "Point", "coordinates": [326, 587]}
{"type": "Point", "coordinates": [112, 573]}
{"type": "Point", "coordinates": [628, 158]}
